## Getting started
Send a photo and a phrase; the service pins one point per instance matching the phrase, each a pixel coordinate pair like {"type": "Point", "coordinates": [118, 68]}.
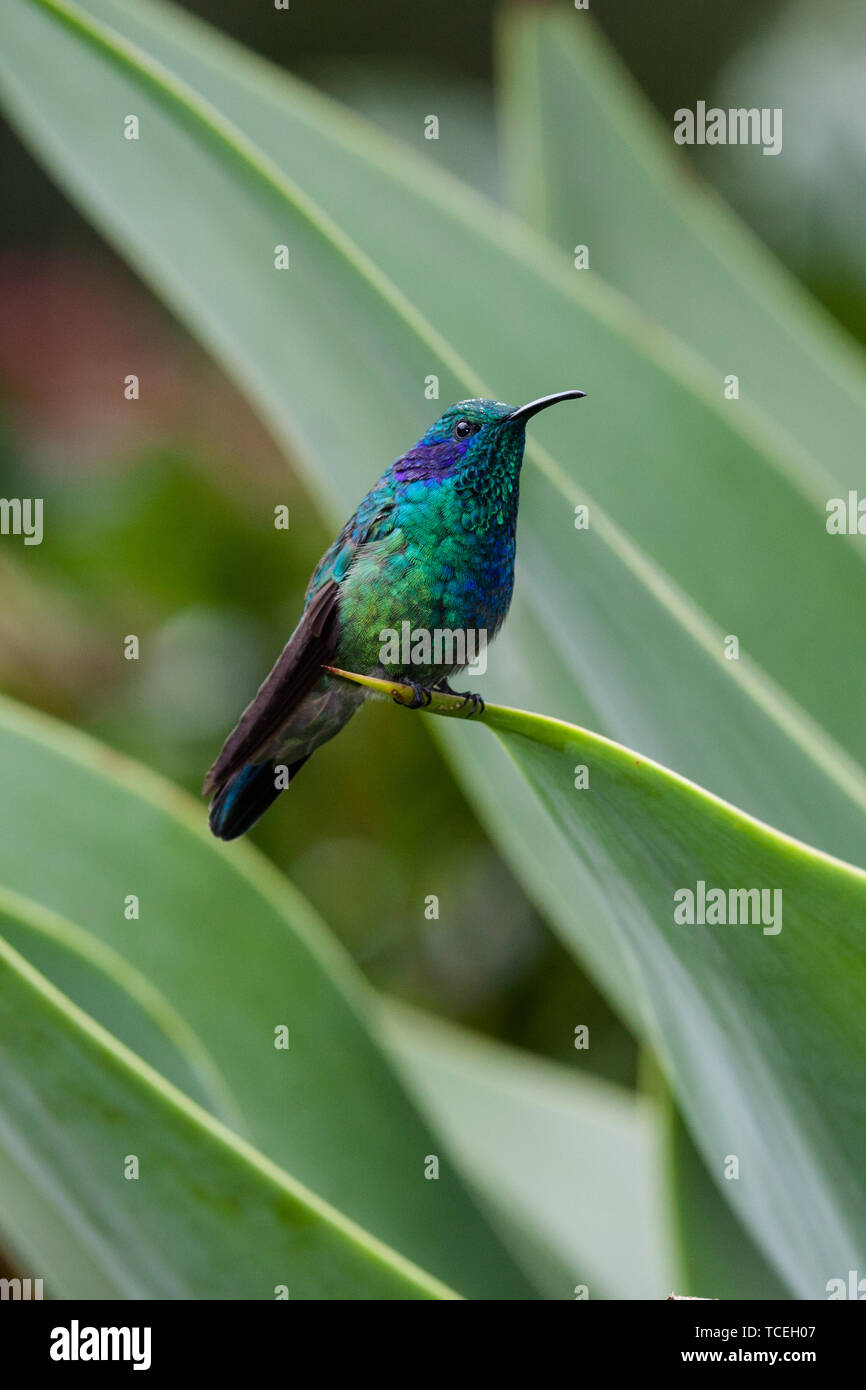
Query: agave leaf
{"type": "Point", "coordinates": [758, 1024]}
{"type": "Point", "coordinates": [222, 954]}
{"type": "Point", "coordinates": [203, 1216]}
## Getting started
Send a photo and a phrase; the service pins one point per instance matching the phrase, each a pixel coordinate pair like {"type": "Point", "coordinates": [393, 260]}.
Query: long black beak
{"type": "Point", "coordinates": [525, 411]}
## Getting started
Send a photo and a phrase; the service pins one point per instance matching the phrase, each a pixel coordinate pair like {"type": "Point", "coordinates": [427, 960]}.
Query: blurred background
{"type": "Point", "coordinates": [162, 510]}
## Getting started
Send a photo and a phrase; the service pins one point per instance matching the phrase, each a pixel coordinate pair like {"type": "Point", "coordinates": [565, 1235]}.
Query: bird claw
{"type": "Point", "coordinates": [477, 703]}
{"type": "Point", "coordinates": [420, 696]}
{"type": "Point", "coordinates": [466, 698]}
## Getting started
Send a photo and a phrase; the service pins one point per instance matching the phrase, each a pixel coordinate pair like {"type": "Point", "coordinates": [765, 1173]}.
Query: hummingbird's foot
{"type": "Point", "coordinates": [475, 701]}
{"type": "Point", "coordinates": [468, 698]}
{"type": "Point", "coordinates": [420, 695]}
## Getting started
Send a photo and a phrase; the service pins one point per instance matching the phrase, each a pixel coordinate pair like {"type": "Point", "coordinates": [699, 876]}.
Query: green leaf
{"type": "Point", "coordinates": [760, 1031]}
{"type": "Point", "coordinates": [391, 93]}
{"type": "Point", "coordinates": [222, 953]}
{"type": "Point", "coordinates": [589, 160]}
{"type": "Point", "coordinates": [719, 1258]}
{"type": "Point", "coordinates": [206, 1217]}
{"type": "Point", "coordinates": [98, 978]}
{"type": "Point", "coordinates": [715, 1254]}
{"type": "Point", "coordinates": [559, 1154]}
{"type": "Point", "coordinates": [236, 159]}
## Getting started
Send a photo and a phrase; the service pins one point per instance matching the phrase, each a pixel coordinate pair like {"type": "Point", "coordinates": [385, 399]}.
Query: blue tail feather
{"type": "Point", "coordinates": [245, 797]}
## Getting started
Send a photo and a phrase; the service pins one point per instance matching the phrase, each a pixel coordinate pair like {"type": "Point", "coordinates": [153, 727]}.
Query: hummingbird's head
{"type": "Point", "coordinates": [480, 440]}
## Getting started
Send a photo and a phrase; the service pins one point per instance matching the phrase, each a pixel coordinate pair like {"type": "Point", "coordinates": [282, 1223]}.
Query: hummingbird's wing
{"type": "Point", "coordinates": [311, 646]}
{"type": "Point", "coordinates": [298, 668]}
{"type": "Point", "coordinates": [373, 520]}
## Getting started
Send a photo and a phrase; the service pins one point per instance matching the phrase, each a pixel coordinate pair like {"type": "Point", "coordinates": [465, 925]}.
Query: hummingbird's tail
{"type": "Point", "coordinates": [245, 797]}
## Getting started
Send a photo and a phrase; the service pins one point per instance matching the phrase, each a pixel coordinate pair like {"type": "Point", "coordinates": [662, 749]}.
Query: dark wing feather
{"type": "Point", "coordinates": [311, 645]}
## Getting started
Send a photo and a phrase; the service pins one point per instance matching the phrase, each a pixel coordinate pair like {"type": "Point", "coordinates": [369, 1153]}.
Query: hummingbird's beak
{"type": "Point", "coordinates": [525, 411]}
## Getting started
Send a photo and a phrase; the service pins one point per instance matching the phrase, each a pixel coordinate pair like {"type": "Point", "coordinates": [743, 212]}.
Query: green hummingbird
{"type": "Point", "coordinates": [429, 551]}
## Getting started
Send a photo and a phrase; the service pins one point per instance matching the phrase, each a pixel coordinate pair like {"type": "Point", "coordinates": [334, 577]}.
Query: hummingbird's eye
{"type": "Point", "coordinates": [464, 428]}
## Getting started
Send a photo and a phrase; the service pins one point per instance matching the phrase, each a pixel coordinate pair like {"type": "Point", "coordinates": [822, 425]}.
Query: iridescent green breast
{"type": "Point", "coordinates": [436, 569]}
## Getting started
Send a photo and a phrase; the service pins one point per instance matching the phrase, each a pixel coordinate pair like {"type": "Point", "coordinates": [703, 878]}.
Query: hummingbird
{"type": "Point", "coordinates": [432, 545]}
